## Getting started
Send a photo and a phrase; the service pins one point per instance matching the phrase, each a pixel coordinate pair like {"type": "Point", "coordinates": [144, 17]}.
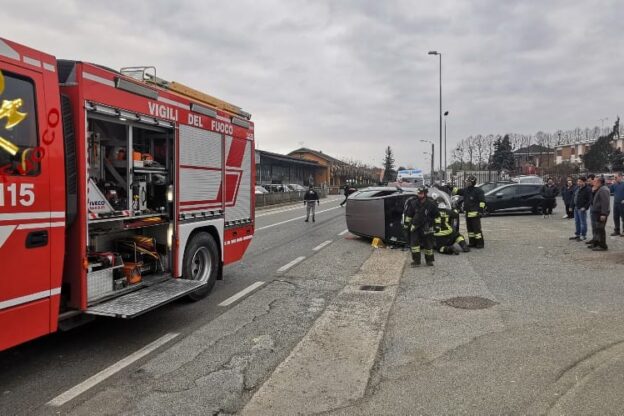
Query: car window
{"type": "Point", "coordinates": [372, 194]}
{"type": "Point", "coordinates": [18, 132]}
{"type": "Point", "coordinates": [528, 189]}
{"type": "Point", "coordinates": [507, 191]}
{"type": "Point", "coordinates": [487, 187]}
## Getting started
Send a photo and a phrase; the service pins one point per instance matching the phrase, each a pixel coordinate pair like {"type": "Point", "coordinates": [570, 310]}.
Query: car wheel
{"type": "Point", "coordinates": [201, 262]}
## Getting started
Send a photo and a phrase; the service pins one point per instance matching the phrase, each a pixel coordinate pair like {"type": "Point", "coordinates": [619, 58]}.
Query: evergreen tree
{"type": "Point", "coordinates": [599, 154]}
{"type": "Point", "coordinates": [389, 172]}
{"type": "Point", "coordinates": [502, 158]}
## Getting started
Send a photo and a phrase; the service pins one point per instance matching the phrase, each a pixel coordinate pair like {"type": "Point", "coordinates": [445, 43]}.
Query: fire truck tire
{"type": "Point", "coordinates": [201, 262]}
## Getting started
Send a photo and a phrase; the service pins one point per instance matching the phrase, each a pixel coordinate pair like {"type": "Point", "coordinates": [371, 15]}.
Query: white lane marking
{"type": "Point", "coordinates": [292, 219]}
{"type": "Point", "coordinates": [89, 383]}
{"type": "Point", "coordinates": [291, 264]}
{"type": "Point", "coordinates": [323, 244]}
{"type": "Point", "coordinates": [344, 232]}
{"type": "Point", "coordinates": [240, 294]}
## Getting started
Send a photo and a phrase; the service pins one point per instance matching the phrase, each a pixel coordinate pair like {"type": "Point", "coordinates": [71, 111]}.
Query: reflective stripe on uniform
{"type": "Point", "coordinates": [407, 220]}
{"type": "Point", "coordinates": [416, 249]}
{"type": "Point", "coordinates": [472, 214]}
{"type": "Point", "coordinates": [438, 220]}
{"type": "Point", "coordinates": [428, 252]}
{"type": "Point", "coordinates": [481, 204]}
{"type": "Point", "coordinates": [471, 235]}
{"type": "Point", "coordinates": [455, 190]}
{"type": "Point", "coordinates": [478, 236]}
{"type": "Point", "coordinates": [460, 238]}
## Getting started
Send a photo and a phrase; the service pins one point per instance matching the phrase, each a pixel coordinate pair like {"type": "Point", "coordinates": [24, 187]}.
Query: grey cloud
{"type": "Point", "coordinates": [352, 77]}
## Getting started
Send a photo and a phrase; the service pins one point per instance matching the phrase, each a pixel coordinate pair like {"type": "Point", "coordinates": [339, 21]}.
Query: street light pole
{"type": "Point", "coordinates": [440, 55]}
{"type": "Point", "coordinates": [446, 113]}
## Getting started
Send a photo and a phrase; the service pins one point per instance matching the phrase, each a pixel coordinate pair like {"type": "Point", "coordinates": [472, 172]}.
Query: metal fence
{"type": "Point", "coordinates": [458, 178]}
{"type": "Point", "coordinates": [274, 198]}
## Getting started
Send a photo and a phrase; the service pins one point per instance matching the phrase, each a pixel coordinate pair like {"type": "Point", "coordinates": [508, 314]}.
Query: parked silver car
{"type": "Point", "coordinates": [378, 211]}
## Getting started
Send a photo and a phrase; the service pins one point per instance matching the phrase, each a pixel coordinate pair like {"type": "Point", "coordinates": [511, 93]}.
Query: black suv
{"type": "Point", "coordinates": [516, 196]}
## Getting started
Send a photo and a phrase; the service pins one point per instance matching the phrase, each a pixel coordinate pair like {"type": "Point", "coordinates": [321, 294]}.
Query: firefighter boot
{"type": "Point", "coordinates": [479, 243]}
{"type": "Point", "coordinates": [415, 259]}
{"type": "Point", "coordinates": [472, 241]}
{"type": "Point", "coordinates": [464, 246]}
{"type": "Point", "coordinates": [429, 259]}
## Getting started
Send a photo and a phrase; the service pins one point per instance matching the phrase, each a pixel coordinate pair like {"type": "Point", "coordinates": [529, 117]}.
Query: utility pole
{"type": "Point", "coordinates": [440, 55]}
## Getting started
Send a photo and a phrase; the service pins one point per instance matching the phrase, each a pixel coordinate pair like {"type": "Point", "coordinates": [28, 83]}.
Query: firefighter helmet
{"type": "Point", "coordinates": [422, 189]}
{"type": "Point", "coordinates": [471, 180]}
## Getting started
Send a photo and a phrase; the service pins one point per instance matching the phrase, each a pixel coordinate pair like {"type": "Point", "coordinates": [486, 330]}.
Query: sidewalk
{"type": "Point", "coordinates": [538, 329]}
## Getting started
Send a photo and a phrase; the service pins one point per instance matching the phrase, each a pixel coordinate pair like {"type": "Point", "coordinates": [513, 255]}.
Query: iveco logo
{"type": "Point", "coordinates": [222, 127]}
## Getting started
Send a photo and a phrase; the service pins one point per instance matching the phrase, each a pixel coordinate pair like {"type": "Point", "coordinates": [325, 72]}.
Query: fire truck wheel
{"type": "Point", "coordinates": [201, 262]}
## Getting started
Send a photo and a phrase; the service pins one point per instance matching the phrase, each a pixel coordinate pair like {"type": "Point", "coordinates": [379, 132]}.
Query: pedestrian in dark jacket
{"type": "Point", "coordinates": [549, 192]}
{"type": "Point", "coordinates": [310, 200]}
{"type": "Point", "coordinates": [591, 178]}
{"type": "Point", "coordinates": [568, 198]}
{"type": "Point", "coordinates": [618, 204]}
{"type": "Point", "coordinates": [582, 201]}
{"type": "Point", "coordinates": [346, 195]}
{"type": "Point", "coordinates": [600, 210]}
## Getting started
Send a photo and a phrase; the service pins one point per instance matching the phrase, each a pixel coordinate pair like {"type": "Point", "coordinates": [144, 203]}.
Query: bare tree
{"type": "Point", "coordinates": [458, 154]}
{"type": "Point", "coordinates": [479, 144]}
{"type": "Point", "coordinates": [489, 141]}
{"type": "Point", "coordinates": [470, 150]}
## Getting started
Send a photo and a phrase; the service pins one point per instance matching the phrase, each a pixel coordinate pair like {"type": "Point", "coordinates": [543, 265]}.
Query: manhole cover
{"type": "Point", "coordinates": [469, 302]}
{"type": "Point", "coordinates": [372, 288]}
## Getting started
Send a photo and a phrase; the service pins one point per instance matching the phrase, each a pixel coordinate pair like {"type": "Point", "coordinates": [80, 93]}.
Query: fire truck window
{"type": "Point", "coordinates": [18, 126]}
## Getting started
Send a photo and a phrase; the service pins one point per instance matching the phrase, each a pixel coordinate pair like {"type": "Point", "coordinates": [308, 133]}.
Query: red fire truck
{"type": "Point", "coordinates": [119, 191]}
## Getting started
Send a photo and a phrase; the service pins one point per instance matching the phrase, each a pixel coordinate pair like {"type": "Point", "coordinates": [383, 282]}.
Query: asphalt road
{"type": "Point", "coordinates": [34, 373]}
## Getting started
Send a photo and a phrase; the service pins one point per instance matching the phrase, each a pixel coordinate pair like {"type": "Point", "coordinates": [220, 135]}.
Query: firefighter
{"type": "Point", "coordinates": [419, 217]}
{"type": "Point", "coordinates": [474, 206]}
{"type": "Point", "coordinates": [448, 236]}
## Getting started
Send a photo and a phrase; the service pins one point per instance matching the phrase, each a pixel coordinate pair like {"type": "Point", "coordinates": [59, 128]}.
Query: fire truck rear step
{"type": "Point", "coordinates": [144, 300]}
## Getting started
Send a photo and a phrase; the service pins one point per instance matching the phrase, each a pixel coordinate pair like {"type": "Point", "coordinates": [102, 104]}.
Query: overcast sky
{"type": "Point", "coordinates": [352, 77]}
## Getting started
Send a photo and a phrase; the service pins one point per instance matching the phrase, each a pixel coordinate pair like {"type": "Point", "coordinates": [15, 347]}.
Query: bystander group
{"type": "Point", "coordinates": [591, 194]}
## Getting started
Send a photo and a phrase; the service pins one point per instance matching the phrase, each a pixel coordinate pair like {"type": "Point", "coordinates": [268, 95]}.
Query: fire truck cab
{"type": "Point", "coordinates": [119, 191]}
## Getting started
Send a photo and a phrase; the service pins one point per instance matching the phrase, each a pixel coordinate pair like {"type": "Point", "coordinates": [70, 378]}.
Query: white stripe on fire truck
{"type": "Point", "coordinates": [96, 78]}
{"type": "Point", "coordinates": [31, 61]}
{"type": "Point", "coordinates": [29, 298]}
{"type": "Point", "coordinates": [41, 225]}
{"type": "Point", "coordinates": [44, 215]}
{"type": "Point", "coordinates": [49, 67]}
{"type": "Point", "coordinates": [172, 102]}
{"type": "Point", "coordinates": [5, 233]}
{"type": "Point", "coordinates": [238, 240]}
{"type": "Point", "coordinates": [9, 52]}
